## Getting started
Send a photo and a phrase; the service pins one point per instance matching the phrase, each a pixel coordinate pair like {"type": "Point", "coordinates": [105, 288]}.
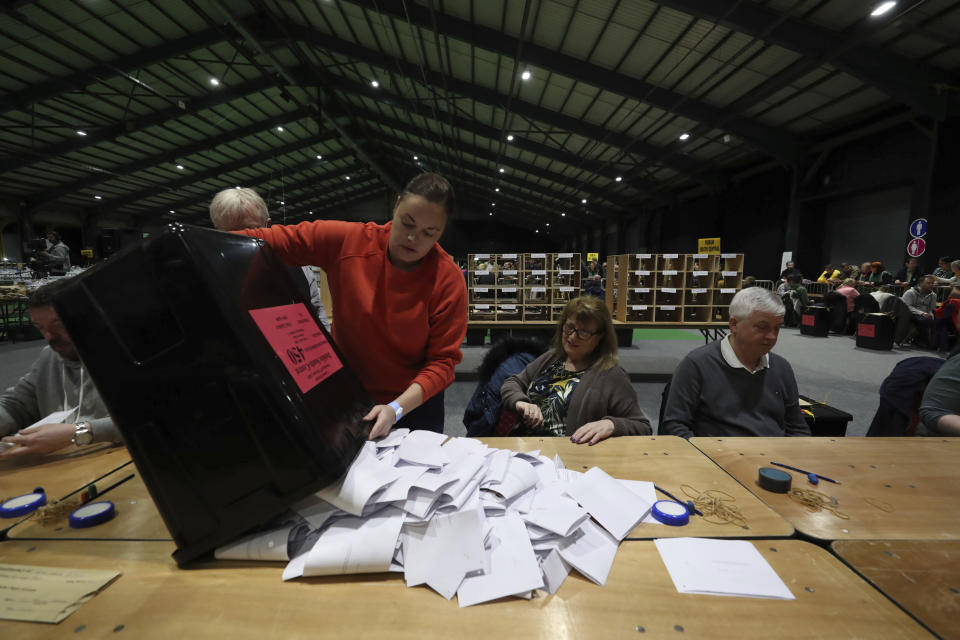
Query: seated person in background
{"type": "Point", "coordinates": [735, 386]}
{"type": "Point", "coordinates": [56, 382]}
{"type": "Point", "coordinates": [909, 274]}
{"type": "Point", "coordinates": [864, 272]}
{"type": "Point", "coordinates": [508, 278]}
{"type": "Point", "coordinates": [955, 270]}
{"type": "Point", "coordinates": [922, 302]}
{"type": "Point", "coordinates": [798, 299]}
{"type": "Point", "coordinates": [847, 290]}
{"type": "Point", "coordinates": [748, 281]}
{"type": "Point", "coordinates": [947, 321]}
{"type": "Point", "coordinates": [940, 406]}
{"type": "Point", "coordinates": [849, 270]}
{"type": "Point", "coordinates": [943, 271]}
{"type": "Point", "coordinates": [591, 279]}
{"type": "Point", "coordinates": [877, 275]}
{"type": "Point", "coordinates": [881, 294]}
{"type": "Point", "coordinates": [235, 209]}
{"type": "Point", "coordinates": [829, 273]}
{"type": "Point", "coordinates": [576, 388]}
{"type": "Point", "coordinates": [790, 270]}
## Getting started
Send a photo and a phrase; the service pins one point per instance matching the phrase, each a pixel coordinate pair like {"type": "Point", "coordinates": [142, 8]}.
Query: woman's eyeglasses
{"type": "Point", "coordinates": [569, 329]}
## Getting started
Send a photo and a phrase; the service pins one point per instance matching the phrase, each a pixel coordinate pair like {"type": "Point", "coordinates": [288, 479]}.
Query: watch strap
{"type": "Point", "coordinates": [83, 434]}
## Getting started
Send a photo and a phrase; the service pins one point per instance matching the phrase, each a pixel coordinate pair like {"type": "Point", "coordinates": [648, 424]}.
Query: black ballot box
{"type": "Point", "coordinates": [232, 399]}
{"type": "Point", "coordinates": [824, 421]}
{"type": "Point", "coordinates": [875, 331]}
{"type": "Point", "coordinates": [815, 321]}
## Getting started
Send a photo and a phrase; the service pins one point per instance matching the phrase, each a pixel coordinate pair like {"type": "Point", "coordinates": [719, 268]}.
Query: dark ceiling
{"type": "Point", "coordinates": [148, 108]}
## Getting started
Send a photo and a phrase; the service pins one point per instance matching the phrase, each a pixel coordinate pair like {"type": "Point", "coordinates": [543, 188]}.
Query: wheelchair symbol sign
{"type": "Point", "coordinates": [918, 228]}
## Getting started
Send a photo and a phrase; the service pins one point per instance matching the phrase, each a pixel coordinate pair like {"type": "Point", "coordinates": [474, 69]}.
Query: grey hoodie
{"type": "Point", "coordinates": [44, 388]}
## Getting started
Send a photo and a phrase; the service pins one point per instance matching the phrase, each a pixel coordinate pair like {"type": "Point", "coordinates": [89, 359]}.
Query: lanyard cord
{"type": "Point", "coordinates": [63, 375]}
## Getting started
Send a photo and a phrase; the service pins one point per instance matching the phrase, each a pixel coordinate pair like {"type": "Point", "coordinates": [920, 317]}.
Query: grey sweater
{"type": "Point", "coordinates": [41, 392]}
{"type": "Point", "coordinates": [710, 398]}
{"type": "Point", "coordinates": [942, 395]}
{"type": "Point", "coordinates": [599, 395]}
{"type": "Point", "coordinates": [919, 303]}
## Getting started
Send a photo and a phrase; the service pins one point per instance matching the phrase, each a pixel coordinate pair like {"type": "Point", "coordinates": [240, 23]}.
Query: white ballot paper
{"type": "Point", "coordinates": [646, 491]}
{"type": "Point", "coordinates": [442, 552]}
{"type": "Point", "coordinates": [56, 417]}
{"type": "Point", "coordinates": [351, 545]}
{"type": "Point", "coordinates": [366, 476]}
{"type": "Point", "coordinates": [591, 552]}
{"type": "Point", "coordinates": [720, 568]}
{"type": "Point", "coordinates": [513, 565]}
{"type": "Point", "coordinates": [616, 508]}
{"type": "Point", "coordinates": [423, 447]}
{"type": "Point", "coordinates": [266, 545]}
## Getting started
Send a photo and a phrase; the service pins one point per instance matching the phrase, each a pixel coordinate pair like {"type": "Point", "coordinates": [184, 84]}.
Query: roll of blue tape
{"type": "Point", "coordinates": [22, 505]}
{"type": "Point", "coordinates": [669, 512]}
{"type": "Point", "coordinates": [92, 514]}
{"type": "Point", "coordinates": [774, 480]}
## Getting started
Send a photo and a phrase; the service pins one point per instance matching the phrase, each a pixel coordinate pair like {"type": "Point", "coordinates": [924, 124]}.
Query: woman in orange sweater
{"type": "Point", "coordinates": [399, 300]}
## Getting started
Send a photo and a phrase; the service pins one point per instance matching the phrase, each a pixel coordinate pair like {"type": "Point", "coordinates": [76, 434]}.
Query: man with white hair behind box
{"type": "Point", "coordinates": [735, 386]}
{"type": "Point", "coordinates": [235, 209]}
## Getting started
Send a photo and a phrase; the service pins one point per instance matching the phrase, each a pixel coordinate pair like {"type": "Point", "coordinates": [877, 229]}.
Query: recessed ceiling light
{"type": "Point", "coordinates": [497, 189]}
{"type": "Point", "coordinates": [563, 215]}
{"type": "Point", "coordinates": [416, 157]}
{"type": "Point", "coordinates": [374, 84]}
{"type": "Point", "coordinates": [684, 136]}
{"type": "Point", "coordinates": [491, 213]}
{"type": "Point", "coordinates": [311, 213]}
{"type": "Point", "coordinates": [882, 8]}
{"type": "Point", "coordinates": [619, 178]}
{"type": "Point", "coordinates": [537, 231]}
{"type": "Point", "coordinates": [319, 157]}
{"type": "Point", "coordinates": [493, 204]}
{"type": "Point", "coordinates": [348, 177]}
{"type": "Point", "coordinates": [214, 82]}
{"type": "Point", "coordinates": [282, 202]}
{"type": "Point", "coordinates": [81, 133]}
{"type": "Point", "coordinates": [502, 170]}
{"type": "Point", "coordinates": [525, 75]}
{"type": "Point", "coordinates": [280, 129]}
{"type": "Point", "coordinates": [510, 138]}
{"type": "Point", "coordinates": [548, 224]}
{"type": "Point", "coordinates": [584, 201]}
{"type": "Point", "coordinates": [98, 197]}
{"type": "Point", "coordinates": [172, 211]}
{"type": "Point", "coordinates": [180, 166]}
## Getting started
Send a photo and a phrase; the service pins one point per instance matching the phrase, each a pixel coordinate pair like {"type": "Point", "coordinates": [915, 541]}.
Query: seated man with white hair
{"type": "Point", "coordinates": [735, 386]}
{"type": "Point", "coordinates": [235, 209]}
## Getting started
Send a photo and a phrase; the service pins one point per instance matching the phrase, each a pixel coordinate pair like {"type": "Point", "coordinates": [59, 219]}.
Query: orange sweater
{"type": "Point", "coordinates": [394, 327]}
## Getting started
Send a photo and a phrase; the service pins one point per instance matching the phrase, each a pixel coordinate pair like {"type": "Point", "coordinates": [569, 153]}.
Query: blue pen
{"type": "Point", "coordinates": [671, 496]}
{"type": "Point", "coordinates": [814, 478]}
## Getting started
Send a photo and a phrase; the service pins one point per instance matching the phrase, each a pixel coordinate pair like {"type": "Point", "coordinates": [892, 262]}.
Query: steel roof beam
{"type": "Point", "coordinates": [906, 81]}
{"type": "Point", "coordinates": [773, 141]}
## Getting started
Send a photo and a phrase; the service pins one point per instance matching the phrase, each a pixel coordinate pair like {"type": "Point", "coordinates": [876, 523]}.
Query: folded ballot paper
{"type": "Point", "coordinates": [462, 518]}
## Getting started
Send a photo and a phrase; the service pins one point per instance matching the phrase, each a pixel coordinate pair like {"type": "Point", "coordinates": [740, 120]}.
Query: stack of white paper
{"type": "Point", "coordinates": [459, 517]}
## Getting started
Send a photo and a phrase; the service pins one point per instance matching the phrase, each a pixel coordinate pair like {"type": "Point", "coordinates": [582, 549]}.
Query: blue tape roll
{"type": "Point", "coordinates": [92, 514]}
{"type": "Point", "coordinates": [669, 512]}
{"type": "Point", "coordinates": [22, 505]}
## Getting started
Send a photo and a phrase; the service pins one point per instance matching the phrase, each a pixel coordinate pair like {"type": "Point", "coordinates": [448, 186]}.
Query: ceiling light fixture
{"type": "Point", "coordinates": [525, 75]}
{"type": "Point", "coordinates": [619, 178]}
{"type": "Point", "coordinates": [563, 215]}
{"type": "Point", "coordinates": [584, 201]}
{"type": "Point", "coordinates": [374, 84]}
{"type": "Point", "coordinates": [882, 8]}
{"type": "Point", "coordinates": [319, 157]}
{"type": "Point", "coordinates": [348, 177]}
{"type": "Point", "coordinates": [98, 197]}
{"type": "Point", "coordinates": [493, 204]}
{"type": "Point", "coordinates": [497, 189]}
{"type": "Point", "coordinates": [214, 82]}
{"type": "Point", "coordinates": [502, 170]}
{"type": "Point", "coordinates": [172, 211]}
{"type": "Point", "coordinates": [81, 132]}
{"type": "Point", "coordinates": [684, 136]}
{"type": "Point", "coordinates": [510, 138]}
{"type": "Point", "coordinates": [490, 214]}
{"type": "Point", "coordinates": [180, 167]}
{"type": "Point", "coordinates": [280, 129]}
{"type": "Point", "coordinates": [416, 157]}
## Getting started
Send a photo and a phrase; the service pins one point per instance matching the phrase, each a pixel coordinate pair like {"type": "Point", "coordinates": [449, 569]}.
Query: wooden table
{"type": "Point", "coordinates": [59, 473]}
{"type": "Point", "coordinates": [892, 488]}
{"type": "Point", "coordinates": [137, 516]}
{"type": "Point", "coordinates": [669, 462]}
{"type": "Point", "coordinates": [923, 577]}
{"type": "Point", "coordinates": [154, 599]}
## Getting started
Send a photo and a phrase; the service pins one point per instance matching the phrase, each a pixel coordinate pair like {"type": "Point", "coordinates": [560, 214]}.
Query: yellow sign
{"type": "Point", "coordinates": [86, 253]}
{"type": "Point", "coordinates": [593, 256]}
{"type": "Point", "coordinates": [708, 245]}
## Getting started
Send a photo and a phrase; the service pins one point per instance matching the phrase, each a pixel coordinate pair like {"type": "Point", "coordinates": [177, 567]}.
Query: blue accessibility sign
{"type": "Point", "coordinates": [918, 228]}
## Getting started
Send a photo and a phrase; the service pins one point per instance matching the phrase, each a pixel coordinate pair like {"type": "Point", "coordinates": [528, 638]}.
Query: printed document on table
{"type": "Point", "coordinates": [720, 567]}
{"type": "Point", "coordinates": [47, 594]}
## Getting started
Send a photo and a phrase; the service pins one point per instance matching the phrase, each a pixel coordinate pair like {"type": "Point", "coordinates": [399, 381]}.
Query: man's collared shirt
{"type": "Point", "coordinates": [730, 357]}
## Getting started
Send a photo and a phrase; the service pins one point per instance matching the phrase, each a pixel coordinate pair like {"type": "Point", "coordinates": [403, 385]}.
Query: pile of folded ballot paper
{"type": "Point", "coordinates": [458, 516]}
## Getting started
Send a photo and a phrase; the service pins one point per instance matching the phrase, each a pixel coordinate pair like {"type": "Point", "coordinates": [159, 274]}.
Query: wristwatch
{"type": "Point", "coordinates": [397, 409]}
{"type": "Point", "coordinates": [83, 435]}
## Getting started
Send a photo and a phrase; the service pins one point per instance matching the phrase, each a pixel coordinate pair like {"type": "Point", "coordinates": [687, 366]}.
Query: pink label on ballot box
{"type": "Point", "coordinates": [867, 330]}
{"type": "Point", "coordinates": [808, 320]}
{"type": "Point", "coordinates": [299, 343]}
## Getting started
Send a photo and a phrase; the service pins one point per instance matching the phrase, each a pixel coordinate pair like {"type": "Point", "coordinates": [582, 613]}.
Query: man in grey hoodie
{"type": "Point", "coordinates": [55, 403]}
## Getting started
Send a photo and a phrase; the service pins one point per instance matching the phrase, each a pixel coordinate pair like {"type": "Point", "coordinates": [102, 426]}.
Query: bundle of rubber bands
{"type": "Point", "coordinates": [815, 501]}
{"type": "Point", "coordinates": [717, 506]}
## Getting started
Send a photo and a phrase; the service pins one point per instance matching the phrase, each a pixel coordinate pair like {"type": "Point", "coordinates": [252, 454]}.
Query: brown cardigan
{"type": "Point", "coordinates": [599, 395]}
